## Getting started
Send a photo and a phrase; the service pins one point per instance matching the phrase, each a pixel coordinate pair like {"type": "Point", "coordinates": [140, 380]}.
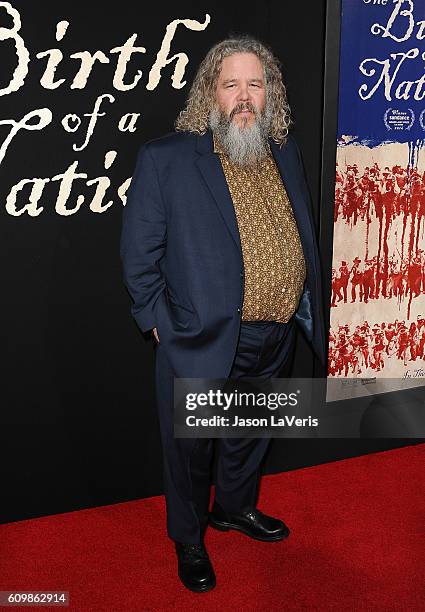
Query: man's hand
{"type": "Point", "coordinates": [155, 333]}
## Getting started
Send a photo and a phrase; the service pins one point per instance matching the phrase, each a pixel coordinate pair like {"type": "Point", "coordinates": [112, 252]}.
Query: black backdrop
{"type": "Point", "coordinates": [79, 426]}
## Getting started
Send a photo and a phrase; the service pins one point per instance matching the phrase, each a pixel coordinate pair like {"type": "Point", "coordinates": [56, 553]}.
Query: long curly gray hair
{"type": "Point", "coordinates": [195, 116]}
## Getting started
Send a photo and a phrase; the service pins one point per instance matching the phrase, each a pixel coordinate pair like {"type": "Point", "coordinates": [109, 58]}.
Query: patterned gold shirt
{"type": "Point", "coordinates": [271, 247]}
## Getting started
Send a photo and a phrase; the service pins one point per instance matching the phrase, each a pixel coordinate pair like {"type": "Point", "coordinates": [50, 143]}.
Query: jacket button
{"type": "Point", "coordinates": [239, 309]}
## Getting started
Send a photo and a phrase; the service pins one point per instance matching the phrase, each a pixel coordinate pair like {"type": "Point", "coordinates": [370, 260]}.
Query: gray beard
{"type": "Point", "coordinates": [244, 146]}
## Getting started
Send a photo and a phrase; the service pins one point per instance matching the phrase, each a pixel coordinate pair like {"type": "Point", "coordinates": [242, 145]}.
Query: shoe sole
{"type": "Point", "coordinates": [222, 526]}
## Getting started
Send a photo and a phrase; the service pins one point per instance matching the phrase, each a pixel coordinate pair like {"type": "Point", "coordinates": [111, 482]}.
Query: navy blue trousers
{"type": "Point", "coordinates": [264, 350]}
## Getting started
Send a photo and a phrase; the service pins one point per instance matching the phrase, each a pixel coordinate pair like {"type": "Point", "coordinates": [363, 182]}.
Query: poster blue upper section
{"type": "Point", "coordinates": [382, 76]}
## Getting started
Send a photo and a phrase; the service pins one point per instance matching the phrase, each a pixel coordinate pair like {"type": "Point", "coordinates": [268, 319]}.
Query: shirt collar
{"type": "Point", "coordinates": [217, 145]}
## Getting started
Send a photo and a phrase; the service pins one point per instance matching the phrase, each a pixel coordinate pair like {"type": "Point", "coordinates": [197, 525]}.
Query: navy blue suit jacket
{"type": "Point", "coordinates": [182, 257]}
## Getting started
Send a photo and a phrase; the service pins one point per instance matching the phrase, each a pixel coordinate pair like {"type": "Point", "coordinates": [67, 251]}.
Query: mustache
{"type": "Point", "coordinates": [241, 107]}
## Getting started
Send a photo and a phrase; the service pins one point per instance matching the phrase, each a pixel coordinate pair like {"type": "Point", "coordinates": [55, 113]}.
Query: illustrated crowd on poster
{"type": "Point", "coordinates": [355, 351]}
{"type": "Point", "coordinates": [378, 278]}
{"type": "Point", "coordinates": [384, 196]}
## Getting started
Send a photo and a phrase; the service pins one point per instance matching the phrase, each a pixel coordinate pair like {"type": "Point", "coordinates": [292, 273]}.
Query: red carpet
{"type": "Point", "coordinates": [357, 543]}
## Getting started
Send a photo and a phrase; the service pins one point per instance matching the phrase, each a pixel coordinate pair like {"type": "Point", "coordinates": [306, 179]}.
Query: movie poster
{"type": "Point", "coordinates": [377, 325]}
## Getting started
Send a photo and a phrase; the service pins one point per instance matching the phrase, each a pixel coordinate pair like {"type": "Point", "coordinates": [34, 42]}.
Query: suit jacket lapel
{"type": "Point", "coordinates": [288, 172]}
{"type": "Point", "coordinates": [210, 167]}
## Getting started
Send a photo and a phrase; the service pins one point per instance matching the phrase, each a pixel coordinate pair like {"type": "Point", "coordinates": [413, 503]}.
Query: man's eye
{"type": "Point", "coordinates": [229, 86]}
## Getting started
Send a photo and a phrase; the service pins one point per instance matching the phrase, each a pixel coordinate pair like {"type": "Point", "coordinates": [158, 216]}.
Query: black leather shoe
{"type": "Point", "coordinates": [252, 523]}
{"type": "Point", "coordinates": [195, 569]}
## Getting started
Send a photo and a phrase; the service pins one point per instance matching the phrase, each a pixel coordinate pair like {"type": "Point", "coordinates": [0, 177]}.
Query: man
{"type": "Point", "coordinates": [336, 287]}
{"type": "Point", "coordinates": [356, 279]}
{"type": "Point", "coordinates": [220, 258]}
{"type": "Point", "coordinates": [368, 280]}
{"type": "Point", "coordinates": [344, 275]}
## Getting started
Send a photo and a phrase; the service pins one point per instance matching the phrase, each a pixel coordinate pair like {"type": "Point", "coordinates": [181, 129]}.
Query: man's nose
{"type": "Point", "coordinates": [243, 93]}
